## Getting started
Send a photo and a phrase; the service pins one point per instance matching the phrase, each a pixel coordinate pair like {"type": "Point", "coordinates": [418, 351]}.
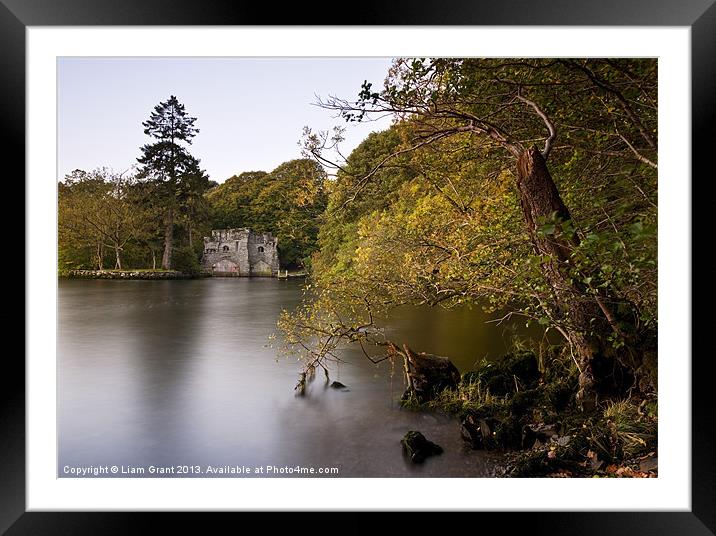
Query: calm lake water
{"type": "Point", "coordinates": [181, 373]}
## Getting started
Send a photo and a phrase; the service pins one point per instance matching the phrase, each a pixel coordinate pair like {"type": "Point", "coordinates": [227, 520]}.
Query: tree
{"type": "Point", "coordinates": [287, 202]}
{"type": "Point", "coordinates": [339, 234]}
{"type": "Point", "coordinates": [147, 205]}
{"type": "Point", "coordinates": [230, 202]}
{"type": "Point", "coordinates": [193, 206]}
{"type": "Point", "coordinates": [80, 242]}
{"type": "Point", "coordinates": [469, 130]}
{"type": "Point", "coordinates": [97, 209]}
{"type": "Point", "coordinates": [290, 205]}
{"type": "Point", "coordinates": [167, 163]}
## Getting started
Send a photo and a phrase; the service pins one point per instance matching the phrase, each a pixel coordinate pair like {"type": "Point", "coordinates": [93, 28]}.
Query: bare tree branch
{"type": "Point", "coordinates": [547, 121]}
{"type": "Point", "coordinates": [638, 155]}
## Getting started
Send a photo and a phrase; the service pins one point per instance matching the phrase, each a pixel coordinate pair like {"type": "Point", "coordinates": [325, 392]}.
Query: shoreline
{"type": "Point", "coordinates": [526, 413]}
{"type": "Point", "coordinates": [163, 275]}
{"type": "Point", "coordinates": [128, 274]}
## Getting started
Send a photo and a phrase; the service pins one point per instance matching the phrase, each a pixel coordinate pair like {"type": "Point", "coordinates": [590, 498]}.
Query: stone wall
{"type": "Point", "coordinates": [240, 253]}
{"type": "Point", "coordinates": [126, 274]}
{"type": "Point", "coordinates": [263, 254]}
{"type": "Point", "coordinates": [226, 252]}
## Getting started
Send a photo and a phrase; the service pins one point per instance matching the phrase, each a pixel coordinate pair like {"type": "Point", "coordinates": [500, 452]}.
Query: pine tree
{"type": "Point", "coordinates": [167, 161]}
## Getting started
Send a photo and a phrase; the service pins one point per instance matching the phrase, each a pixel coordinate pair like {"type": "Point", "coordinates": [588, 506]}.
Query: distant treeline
{"type": "Point", "coordinates": [156, 215]}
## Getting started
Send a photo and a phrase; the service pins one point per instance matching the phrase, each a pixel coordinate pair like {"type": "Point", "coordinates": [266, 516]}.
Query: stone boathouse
{"type": "Point", "coordinates": [240, 252]}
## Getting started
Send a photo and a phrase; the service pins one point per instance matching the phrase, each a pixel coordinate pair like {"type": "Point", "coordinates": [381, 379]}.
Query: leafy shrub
{"type": "Point", "coordinates": [185, 259]}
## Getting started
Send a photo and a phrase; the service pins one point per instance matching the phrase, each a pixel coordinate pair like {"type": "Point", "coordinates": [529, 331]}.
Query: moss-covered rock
{"type": "Point", "coordinates": [513, 372]}
{"type": "Point", "coordinates": [560, 394]}
{"type": "Point", "coordinates": [504, 397]}
{"type": "Point", "coordinates": [418, 447]}
{"type": "Point", "coordinates": [478, 430]}
{"type": "Point", "coordinates": [508, 433]}
{"type": "Point", "coordinates": [522, 402]}
{"type": "Point", "coordinates": [533, 463]}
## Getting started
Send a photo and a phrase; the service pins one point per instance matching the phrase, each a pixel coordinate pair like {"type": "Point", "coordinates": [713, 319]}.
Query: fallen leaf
{"type": "Point", "coordinates": [563, 441]}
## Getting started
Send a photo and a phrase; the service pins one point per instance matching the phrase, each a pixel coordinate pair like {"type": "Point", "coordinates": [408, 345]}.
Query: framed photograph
{"type": "Point", "coordinates": [279, 266]}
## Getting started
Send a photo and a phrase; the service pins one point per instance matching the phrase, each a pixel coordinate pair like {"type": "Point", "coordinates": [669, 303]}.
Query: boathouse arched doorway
{"type": "Point", "coordinates": [225, 267]}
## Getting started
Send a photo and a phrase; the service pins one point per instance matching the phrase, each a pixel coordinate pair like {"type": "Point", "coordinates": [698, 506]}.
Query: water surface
{"type": "Point", "coordinates": [181, 373]}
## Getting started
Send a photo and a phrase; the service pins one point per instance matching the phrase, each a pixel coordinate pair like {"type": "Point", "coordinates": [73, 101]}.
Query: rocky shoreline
{"type": "Point", "coordinates": [160, 274]}
{"type": "Point", "coordinates": [129, 274]}
{"type": "Point", "coordinates": [524, 407]}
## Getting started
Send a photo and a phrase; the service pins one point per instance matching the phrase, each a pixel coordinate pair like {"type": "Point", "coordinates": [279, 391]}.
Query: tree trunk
{"type": "Point", "coordinates": [583, 320]}
{"type": "Point", "coordinates": [168, 241]}
{"type": "Point", "coordinates": [100, 255]}
{"type": "Point", "coordinates": [154, 259]}
{"type": "Point", "coordinates": [425, 374]}
{"type": "Point", "coordinates": [118, 260]}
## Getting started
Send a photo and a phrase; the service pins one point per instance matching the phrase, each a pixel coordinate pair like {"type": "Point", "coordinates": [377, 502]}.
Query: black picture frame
{"type": "Point", "coordinates": [699, 15]}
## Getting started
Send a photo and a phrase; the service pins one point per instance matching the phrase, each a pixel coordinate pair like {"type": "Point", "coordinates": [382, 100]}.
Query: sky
{"type": "Point", "coordinates": [250, 111]}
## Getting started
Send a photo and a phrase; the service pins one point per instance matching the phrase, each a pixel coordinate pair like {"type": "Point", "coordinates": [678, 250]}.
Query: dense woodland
{"type": "Point", "coordinates": [528, 187]}
{"type": "Point", "coordinates": [529, 182]}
